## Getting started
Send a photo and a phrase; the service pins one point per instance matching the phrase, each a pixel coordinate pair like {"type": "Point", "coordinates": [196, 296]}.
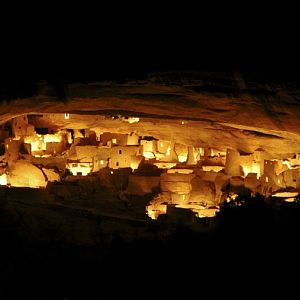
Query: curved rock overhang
{"type": "Point", "coordinates": [244, 122]}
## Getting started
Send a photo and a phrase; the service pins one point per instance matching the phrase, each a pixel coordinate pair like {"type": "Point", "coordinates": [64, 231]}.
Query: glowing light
{"type": "Point", "coordinates": [43, 155]}
{"type": "Point", "coordinates": [212, 168]}
{"type": "Point", "coordinates": [135, 162]}
{"type": "Point", "coordinates": [180, 171]}
{"type": "Point", "coordinates": [287, 163]}
{"type": "Point", "coordinates": [148, 155]}
{"type": "Point", "coordinates": [200, 211]}
{"type": "Point", "coordinates": [111, 172]}
{"type": "Point", "coordinates": [207, 212]}
{"type": "Point", "coordinates": [67, 116]}
{"type": "Point", "coordinates": [79, 168]}
{"type": "Point", "coordinates": [182, 122]}
{"type": "Point", "coordinates": [24, 174]}
{"type": "Point", "coordinates": [246, 170]}
{"type": "Point", "coordinates": [38, 142]}
{"type": "Point", "coordinates": [52, 138]}
{"type": "Point", "coordinates": [131, 120]}
{"type": "Point", "coordinates": [101, 162]}
{"type": "Point", "coordinates": [168, 152]}
{"type": "Point", "coordinates": [155, 209]}
{"type": "Point", "coordinates": [285, 194]}
{"type": "Point", "coordinates": [69, 137]}
{"type": "Point", "coordinates": [290, 200]}
{"type": "Point", "coordinates": [114, 141]}
{"type": "Point", "coordinates": [164, 165]}
{"type": "Point", "coordinates": [182, 158]}
{"type": "Point", "coordinates": [158, 206]}
{"type": "Point", "coordinates": [231, 197]}
{"type": "Point", "coordinates": [256, 169]}
{"type": "Point", "coordinates": [3, 179]}
{"type": "Point", "coordinates": [253, 168]}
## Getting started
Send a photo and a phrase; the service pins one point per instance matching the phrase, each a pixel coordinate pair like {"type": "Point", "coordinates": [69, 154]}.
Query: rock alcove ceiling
{"type": "Point", "coordinates": [183, 114]}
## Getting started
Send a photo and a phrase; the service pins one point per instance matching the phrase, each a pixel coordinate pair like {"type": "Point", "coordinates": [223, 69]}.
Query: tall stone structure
{"type": "Point", "coordinates": [232, 165]}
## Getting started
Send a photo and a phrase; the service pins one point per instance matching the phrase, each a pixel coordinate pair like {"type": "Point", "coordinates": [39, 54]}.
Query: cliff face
{"type": "Point", "coordinates": [238, 117]}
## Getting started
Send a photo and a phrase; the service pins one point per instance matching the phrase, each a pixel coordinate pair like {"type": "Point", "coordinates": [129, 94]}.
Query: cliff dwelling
{"type": "Point", "coordinates": [148, 151]}
{"type": "Point", "coordinates": [186, 162]}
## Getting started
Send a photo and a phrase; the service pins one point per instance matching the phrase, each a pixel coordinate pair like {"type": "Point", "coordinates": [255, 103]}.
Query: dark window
{"type": "Point", "coordinates": [41, 130]}
{"type": "Point", "coordinates": [120, 151]}
{"type": "Point", "coordinates": [117, 164]}
{"type": "Point", "coordinates": [2, 149]}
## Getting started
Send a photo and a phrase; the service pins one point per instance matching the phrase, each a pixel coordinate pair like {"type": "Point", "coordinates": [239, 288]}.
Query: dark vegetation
{"type": "Point", "coordinates": [252, 236]}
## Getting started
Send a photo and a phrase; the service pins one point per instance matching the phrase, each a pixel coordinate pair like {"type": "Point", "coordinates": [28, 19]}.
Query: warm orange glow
{"type": "Point", "coordinates": [168, 153]}
{"type": "Point", "coordinates": [212, 168]}
{"type": "Point", "coordinates": [287, 163]}
{"type": "Point", "coordinates": [164, 165]}
{"type": "Point", "coordinates": [52, 138]}
{"type": "Point", "coordinates": [231, 197]}
{"type": "Point", "coordinates": [43, 155]}
{"type": "Point", "coordinates": [148, 155]}
{"type": "Point", "coordinates": [25, 174]}
{"type": "Point", "coordinates": [156, 209]}
{"type": "Point", "coordinates": [135, 162]}
{"type": "Point", "coordinates": [285, 194]}
{"type": "Point", "coordinates": [180, 171]}
{"type": "Point", "coordinates": [207, 212]}
{"type": "Point", "coordinates": [201, 212]}
{"type": "Point", "coordinates": [253, 168]}
{"type": "Point", "coordinates": [290, 200]}
{"type": "Point", "coordinates": [132, 120]}
{"type": "Point", "coordinates": [79, 168]}
{"type": "Point", "coordinates": [3, 179]}
{"type": "Point", "coordinates": [191, 173]}
{"type": "Point", "coordinates": [182, 158]}
{"type": "Point", "coordinates": [69, 137]}
{"type": "Point", "coordinates": [39, 142]}
{"type": "Point", "coordinates": [36, 142]}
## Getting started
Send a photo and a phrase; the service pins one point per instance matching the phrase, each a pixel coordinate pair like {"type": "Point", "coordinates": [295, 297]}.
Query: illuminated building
{"type": "Point", "coordinates": [38, 151]}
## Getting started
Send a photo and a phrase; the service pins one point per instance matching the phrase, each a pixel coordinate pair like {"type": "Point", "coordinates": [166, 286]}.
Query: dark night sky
{"type": "Point", "coordinates": [102, 43]}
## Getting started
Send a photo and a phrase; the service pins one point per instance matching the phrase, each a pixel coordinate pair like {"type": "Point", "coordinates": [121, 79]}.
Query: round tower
{"type": "Point", "coordinates": [232, 165]}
